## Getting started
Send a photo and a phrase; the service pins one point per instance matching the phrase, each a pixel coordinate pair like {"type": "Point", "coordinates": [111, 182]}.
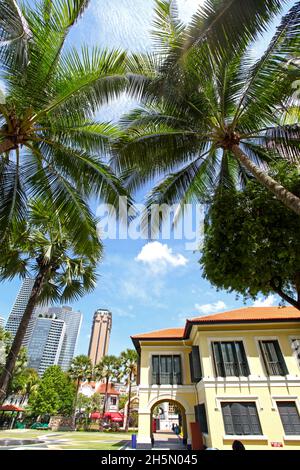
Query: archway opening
{"type": "Point", "coordinates": [168, 422]}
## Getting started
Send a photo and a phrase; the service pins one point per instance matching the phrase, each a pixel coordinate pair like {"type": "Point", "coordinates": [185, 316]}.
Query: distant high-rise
{"type": "Point", "coordinates": [18, 310]}
{"type": "Point", "coordinates": [73, 322]}
{"type": "Point", "coordinates": [2, 322]}
{"type": "Point", "coordinates": [45, 344]}
{"type": "Point", "coordinates": [54, 337]}
{"type": "Point", "coordinates": [100, 336]}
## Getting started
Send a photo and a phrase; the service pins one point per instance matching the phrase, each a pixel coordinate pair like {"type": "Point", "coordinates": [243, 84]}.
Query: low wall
{"type": "Point", "coordinates": [62, 423]}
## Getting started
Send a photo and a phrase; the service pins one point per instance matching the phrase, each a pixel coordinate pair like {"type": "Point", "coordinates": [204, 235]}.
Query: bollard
{"type": "Point", "coordinates": [133, 441]}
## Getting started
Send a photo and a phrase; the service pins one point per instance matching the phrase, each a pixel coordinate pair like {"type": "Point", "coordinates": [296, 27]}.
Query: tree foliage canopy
{"type": "Point", "coordinates": [55, 394]}
{"type": "Point", "coordinates": [251, 242]}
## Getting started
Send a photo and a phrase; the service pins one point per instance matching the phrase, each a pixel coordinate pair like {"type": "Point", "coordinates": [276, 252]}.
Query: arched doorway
{"type": "Point", "coordinates": [168, 424]}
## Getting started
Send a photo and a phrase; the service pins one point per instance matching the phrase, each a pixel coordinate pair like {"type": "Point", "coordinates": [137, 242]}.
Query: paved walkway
{"type": "Point", "coordinates": [167, 440]}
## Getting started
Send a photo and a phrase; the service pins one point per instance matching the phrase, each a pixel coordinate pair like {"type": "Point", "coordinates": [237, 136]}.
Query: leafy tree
{"type": "Point", "coordinates": [83, 402]}
{"type": "Point", "coordinates": [96, 402]}
{"type": "Point", "coordinates": [55, 394]}
{"type": "Point", "coordinates": [251, 242]}
{"type": "Point", "coordinates": [25, 383]}
{"type": "Point", "coordinates": [50, 143]}
{"type": "Point", "coordinates": [14, 385]}
{"type": "Point", "coordinates": [107, 369]}
{"type": "Point", "coordinates": [209, 117]}
{"type": "Point", "coordinates": [63, 268]}
{"type": "Point", "coordinates": [80, 370]}
{"type": "Point", "coordinates": [128, 361]}
{"type": "Point", "coordinates": [5, 342]}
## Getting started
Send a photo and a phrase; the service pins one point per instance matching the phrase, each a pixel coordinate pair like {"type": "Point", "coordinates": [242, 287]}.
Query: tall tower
{"type": "Point", "coordinates": [18, 310]}
{"type": "Point", "coordinates": [101, 328]}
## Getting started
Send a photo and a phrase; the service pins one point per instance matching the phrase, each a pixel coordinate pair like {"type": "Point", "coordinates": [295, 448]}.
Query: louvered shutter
{"type": "Point", "coordinates": [196, 364]}
{"type": "Point", "coordinates": [228, 423]}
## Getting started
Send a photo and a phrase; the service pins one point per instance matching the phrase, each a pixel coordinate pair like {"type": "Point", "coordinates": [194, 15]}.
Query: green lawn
{"type": "Point", "coordinates": [70, 440]}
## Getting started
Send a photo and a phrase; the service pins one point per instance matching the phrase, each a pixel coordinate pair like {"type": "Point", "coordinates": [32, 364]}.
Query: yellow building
{"type": "Point", "coordinates": [235, 373]}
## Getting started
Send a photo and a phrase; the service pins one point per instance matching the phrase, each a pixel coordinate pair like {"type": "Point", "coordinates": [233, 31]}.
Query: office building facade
{"type": "Point", "coordinates": [73, 321]}
{"type": "Point", "coordinates": [45, 344]}
{"type": "Point", "coordinates": [54, 337]}
{"type": "Point", "coordinates": [18, 310]}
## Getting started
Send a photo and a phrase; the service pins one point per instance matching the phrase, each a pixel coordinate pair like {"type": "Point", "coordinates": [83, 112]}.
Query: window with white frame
{"type": "Point", "coordinates": [273, 358]}
{"type": "Point", "coordinates": [241, 418]}
{"type": "Point", "coordinates": [290, 418]}
{"type": "Point", "coordinates": [230, 359]}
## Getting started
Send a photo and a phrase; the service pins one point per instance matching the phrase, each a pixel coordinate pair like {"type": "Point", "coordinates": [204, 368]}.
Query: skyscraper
{"type": "Point", "coordinates": [45, 344]}
{"type": "Point", "coordinates": [18, 310]}
{"type": "Point", "coordinates": [73, 322]}
{"type": "Point", "coordinates": [54, 337]}
{"type": "Point", "coordinates": [1, 322]}
{"type": "Point", "coordinates": [100, 336]}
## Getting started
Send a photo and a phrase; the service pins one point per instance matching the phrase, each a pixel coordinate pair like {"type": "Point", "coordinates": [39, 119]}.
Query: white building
{"type": "Point", "coordinates": [167, 416]}
{"type": "Point", "coordinates": [90, 388]}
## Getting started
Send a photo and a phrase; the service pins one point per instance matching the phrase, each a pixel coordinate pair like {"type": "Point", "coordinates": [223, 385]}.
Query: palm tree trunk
{"type": "Point", "coordinates": [105, 396]}
{"type": "Point", "coordinates": [289, 199]}
{"type": "Point", "coordinates": [17, 342]}
{"type": "Point", "coordinates": [6, 145]}
{"type": "Point", "coordinates": [75, 402]}
{"type": "Point", "coordinates": [128, 407]}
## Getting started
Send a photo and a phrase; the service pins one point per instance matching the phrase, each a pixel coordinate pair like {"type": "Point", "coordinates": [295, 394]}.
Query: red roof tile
{"type": "Point", "coordinates": [242, 314]}
{"type": "Point", "coordinates": [252, 313]}
{"type": "Point", "coordinates": [111, 389]}
{"type": "Point", "coordinates": [167, 333]}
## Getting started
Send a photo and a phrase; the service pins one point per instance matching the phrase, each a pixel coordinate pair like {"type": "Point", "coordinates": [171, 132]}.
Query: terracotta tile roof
{"type": "Point", "coordinates": [88, 384]}
{"type": "Point", "coordinates": [167, 333]}
{"type": "Point", "coordinates": [252, 314]}
{"type": "Point", "coordinates": [111, 389]}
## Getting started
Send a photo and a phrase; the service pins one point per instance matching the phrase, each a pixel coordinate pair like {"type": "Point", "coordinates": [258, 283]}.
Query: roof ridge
{"type": "Point", "coordinates": [242, 314]}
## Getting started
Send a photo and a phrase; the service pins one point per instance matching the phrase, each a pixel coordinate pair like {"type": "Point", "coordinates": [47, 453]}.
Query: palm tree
{"type": "Point", "coordinates": [108, 369]}
{"type": "Point", "coordinates": [128, 361]}
{"type": "Point", "coordinates": [63, 270]}
{"type": "Point", "coordinates": [80, 369]}
{"type": "Point", "coordinates": [210, 117]}
{"type": "Point", "coordinates": [50, 144]}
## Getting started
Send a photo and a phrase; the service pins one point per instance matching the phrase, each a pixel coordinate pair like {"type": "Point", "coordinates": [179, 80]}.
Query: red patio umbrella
{"type": "Point", "coordinates": [11, 408]}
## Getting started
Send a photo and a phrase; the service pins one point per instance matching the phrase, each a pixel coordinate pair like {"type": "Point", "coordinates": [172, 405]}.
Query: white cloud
{"type": "Point", "coordinates": [207, 309]}
{"type": "Point", "coordinates": [159, 256]}
{"type": "Point", "coordinates": [187, 8]}
{"type": "Point", "coordinates": [265, 302]}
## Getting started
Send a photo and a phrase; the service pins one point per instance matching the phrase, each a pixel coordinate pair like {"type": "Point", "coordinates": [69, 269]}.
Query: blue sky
{"type": "Point", "coordinates": [160, 285]}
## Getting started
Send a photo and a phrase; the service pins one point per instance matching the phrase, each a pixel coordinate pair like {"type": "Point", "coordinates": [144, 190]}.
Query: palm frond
{"type": "Point", "coordinates": [269, 81]}
{"type": "Point", "coordinates": [233, 24]}
{"type": "Point", "coordinates": [15, 35]}
{"type": "Point", "coordinates": [191, 183]}
{"type": "Point", "coordinates": [167, 28]}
